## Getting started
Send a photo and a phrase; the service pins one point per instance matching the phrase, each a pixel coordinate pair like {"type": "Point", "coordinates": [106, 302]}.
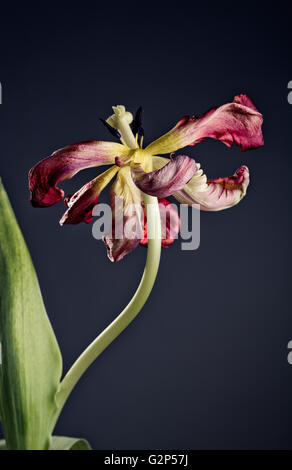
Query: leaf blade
{"type": "Point", "coordinates": [31, 365]}
{"type": "Point", "coordinates": [69, 443]}
{"type": "Point", "coordinates": [62, 443]}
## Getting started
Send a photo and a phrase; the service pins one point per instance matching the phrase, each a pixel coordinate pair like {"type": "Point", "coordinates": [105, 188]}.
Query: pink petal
{"type": "Point", "coordinates": [65, 163]}
{"type": "Point", "coordinates": [167, 180]}
{"type": "Point", "coordinates": [170, 223]}
{"type": "Point", "coordinates": [216, 194]}
{"type": "Point", "coordinates": [128, 215]}
{"type": "Point", "coordinates": [81, 204]}
{"type": "Point", "coordinates": [238, 122]}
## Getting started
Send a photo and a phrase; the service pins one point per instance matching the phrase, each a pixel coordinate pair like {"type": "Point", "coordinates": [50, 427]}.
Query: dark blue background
{"type": "Point", "coordinates": [205, 364]}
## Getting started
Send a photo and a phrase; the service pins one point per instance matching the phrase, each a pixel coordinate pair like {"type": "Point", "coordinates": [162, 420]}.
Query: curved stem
{"type": "Point", "coordinates": [127, 315]}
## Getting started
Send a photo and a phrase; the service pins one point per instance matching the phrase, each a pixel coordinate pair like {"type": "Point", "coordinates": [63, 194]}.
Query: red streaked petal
{"type": "Point", "coordinates": [166, 180]}
{"type": "Point", "coordinates": [81, 204]}
{"type": "Point", "coordinates": [65, 163]}
{"type": "Point", "coordinates": [215, 194]}
{"type": "Point", "coordinates": [127, 216]}
{"type": "Point", "coordinates": [238, 122]}
{"type": "Point", "coordinates": [245, 101]}
{"type": "Point", "coordinates": [170, 223]}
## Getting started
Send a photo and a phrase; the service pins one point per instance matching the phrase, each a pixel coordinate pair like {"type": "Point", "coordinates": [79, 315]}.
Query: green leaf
{"type": "Point", "coordinates": [62, 443]}
{"type": "Point", "coordinates": [31, 365]}
{"type": "Point", "coordinates": [3, 445]}
{"type": "Point", "coordinates": [69, 443]}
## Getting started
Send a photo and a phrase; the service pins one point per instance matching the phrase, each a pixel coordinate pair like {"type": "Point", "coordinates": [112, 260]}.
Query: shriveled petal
{"type": "Point", "coordinates": [166, 180]}
{"type": "Point", "coordinates": [81, 204]}
{"type": "Point", "coordinates": [238, 122]}
{"type": "Point", "coordinates": [216, 194]}
{"type": "Point", "coordinates": [65, 163]}
{"type": "Point", "coordinates": [170, 223]}
{"type": "Point", "coordinates": [127, 216]}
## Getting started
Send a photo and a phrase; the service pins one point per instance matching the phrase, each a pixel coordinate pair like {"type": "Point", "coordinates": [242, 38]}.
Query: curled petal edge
{"type": "Point", "coordinates": [167, 180]}
{"type": "Point", "coordinates": [215, 194]}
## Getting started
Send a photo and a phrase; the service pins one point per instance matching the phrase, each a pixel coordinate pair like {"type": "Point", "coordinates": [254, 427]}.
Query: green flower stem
{"type": "Point", "coordinates": [126, 316]}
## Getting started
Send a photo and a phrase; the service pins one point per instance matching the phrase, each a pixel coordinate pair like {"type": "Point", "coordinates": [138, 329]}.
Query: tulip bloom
{"type": "Point", "coordinates": [139, 170]}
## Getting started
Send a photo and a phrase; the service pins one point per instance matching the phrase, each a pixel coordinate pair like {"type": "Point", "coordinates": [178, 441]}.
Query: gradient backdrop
{"type": "Point", "coordinates": [205, 364]}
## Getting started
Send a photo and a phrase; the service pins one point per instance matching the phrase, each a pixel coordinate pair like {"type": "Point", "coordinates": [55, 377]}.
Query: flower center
{"type": "Point", "coordinates": [121, 120]}
{"type": "Point", "coordinates": [143, 158]}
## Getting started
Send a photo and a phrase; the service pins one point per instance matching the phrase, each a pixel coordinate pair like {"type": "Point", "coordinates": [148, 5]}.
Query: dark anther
{"type": "Point", "coordinates": [111, 129]}
{"type": "Point", "coordinates": [119, 161]}
{"type": "Point", "coordinates": [137, 123]}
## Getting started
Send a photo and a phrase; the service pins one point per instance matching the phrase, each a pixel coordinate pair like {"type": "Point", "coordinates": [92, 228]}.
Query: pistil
{"type": "Point", "coordinates": [121, 120]}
